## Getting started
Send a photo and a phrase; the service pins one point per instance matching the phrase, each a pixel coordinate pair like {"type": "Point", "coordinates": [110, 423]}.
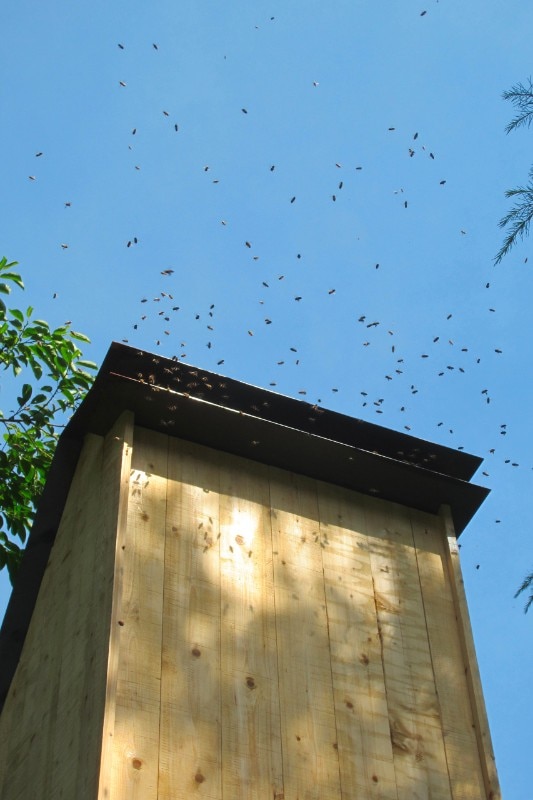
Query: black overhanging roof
{"type": "Point", "coordinates": [163, 374]}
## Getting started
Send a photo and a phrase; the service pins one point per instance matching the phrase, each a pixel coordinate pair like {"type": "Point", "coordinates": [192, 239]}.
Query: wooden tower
{"type": "Point", "coordinates": [233, 595]}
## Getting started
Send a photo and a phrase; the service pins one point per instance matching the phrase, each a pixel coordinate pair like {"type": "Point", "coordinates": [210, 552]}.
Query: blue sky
{"type": "Point", "coordinates": [335, 98]}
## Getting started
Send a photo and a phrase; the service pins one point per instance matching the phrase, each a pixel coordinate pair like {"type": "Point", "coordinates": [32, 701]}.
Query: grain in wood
{"type": "Point", "coordinates": [135, 760]}
{"type": "Point", "coordinates": [37, 704]}
{"type": "Point", "coordinates": [110, 542]}
{"type": "Point", "coordinates": [308, 725]}
{"type": "Point", "coordinates": [365, 752]}
{"type": "Point", "coordinates": [448, 662]}
{"type": "Point", "coordinates": [251, 746]}
{"type": "Point", "coordinates": [190, 743]}
{"type": "Point", "coordinates": [67, 739]}
{"type": "Point", "coordinates": [414, 713]}
{"type": "Point", "coordinates": [486, 752]}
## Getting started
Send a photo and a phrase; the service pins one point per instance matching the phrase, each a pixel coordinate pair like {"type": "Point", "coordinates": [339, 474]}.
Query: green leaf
{"type": "Point", "coordinates": [13, 276]}
{"type": "Point", "coordinates": [27, 392]}
{"type": "Point", "coordinates": [80, 337]}
{"type": "Point", "coordinates": [37, 369]}
{"type": "Point", "coordinates": [4, 265]}
{"type": "Point", "coordinates": [87, 364]}
{"type": "Point", "coordinates": [5, 289]}
{"type": "Point", "coordinates": [17, 314]}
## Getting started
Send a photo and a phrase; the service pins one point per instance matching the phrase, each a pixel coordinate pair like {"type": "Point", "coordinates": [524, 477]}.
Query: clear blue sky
{"type": "Point", "coordinates": [323, 84]}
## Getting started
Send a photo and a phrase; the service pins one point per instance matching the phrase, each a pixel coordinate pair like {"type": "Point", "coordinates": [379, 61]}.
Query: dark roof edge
{"type": "Point", "coordinates": [128, 362]}
{"type": "Point", "coordinates": [251, 422]}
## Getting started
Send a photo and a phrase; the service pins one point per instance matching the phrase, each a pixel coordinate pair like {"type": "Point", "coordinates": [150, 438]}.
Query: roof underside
{"type": "Point", "coordinates": [194, 404]}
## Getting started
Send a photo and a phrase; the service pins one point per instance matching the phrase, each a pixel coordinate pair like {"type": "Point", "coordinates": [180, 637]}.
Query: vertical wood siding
{"type": "Point", "coordinates": [51, 724]}
{"type": "Point", "coordinates": [272, 636]}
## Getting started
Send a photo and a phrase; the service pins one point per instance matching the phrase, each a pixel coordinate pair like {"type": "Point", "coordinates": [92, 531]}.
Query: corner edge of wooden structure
{"type": "Point", "coordinates": [118, 447]}
{"type": "Point", "coordinates": [473, 678]}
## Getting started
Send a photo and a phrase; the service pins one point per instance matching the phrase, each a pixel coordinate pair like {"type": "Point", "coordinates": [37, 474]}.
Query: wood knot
{"type": "Point", "coordinates": [375, 778]}
{"type": "Point", "coordinates": [196, 652]}
{"type": "Point", "coordinates": [199, 778]}
{"type": "Point", "coordinates": [348, 703]}
{"type": "Point", "coordinates": [364, 659]}
{"type": "Point", "coordinates": [136, 763]}
{"type": "Point", "coordinates": [239, 539]}
{"type": "Point", "coordinates": [250, 683]}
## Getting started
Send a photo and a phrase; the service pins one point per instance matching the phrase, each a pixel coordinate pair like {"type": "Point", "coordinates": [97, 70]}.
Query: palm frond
{"type": "Point", "coordinates": [521, 96]}
{"type": "Point", "coordinates": [527, 583]}
{"type": "Point", "coordinates": [518, 218]}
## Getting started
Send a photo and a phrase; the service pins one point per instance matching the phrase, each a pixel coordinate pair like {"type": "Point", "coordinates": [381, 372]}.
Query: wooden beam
{"type": "Point", "coordinates": [414, 718]}
{"type": "Point", "coordinates": [251, 735]}
{"type": "Point", "coordinates": [447, 659]}
{"type": "Point", "coordinates": [42, 731]}
{"type": "Point", "coordinates": [473, 679]}
{"type": "Point", "coordinates": [73, 753]}
{"type": "Point", "coordinates": [135, 758]}
{"type": "Point", "coordinates": [111, 540]}
{"type": "Point", "coordinates": [307, 707]}
{"type": "Point", "coordinates": [190, 738]}
{"type": "Point", "coordinates": [362, 718]}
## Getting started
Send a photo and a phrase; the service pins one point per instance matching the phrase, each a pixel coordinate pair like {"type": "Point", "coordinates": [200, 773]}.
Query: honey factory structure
{"type": "Point", "coordinates": [233, 595]}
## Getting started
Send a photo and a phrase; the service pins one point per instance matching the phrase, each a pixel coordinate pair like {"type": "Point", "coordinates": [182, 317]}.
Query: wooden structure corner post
{"type": "Point", "coordinates": [479, 712]}
{"type": "Point", "coordinates": [118, 448]}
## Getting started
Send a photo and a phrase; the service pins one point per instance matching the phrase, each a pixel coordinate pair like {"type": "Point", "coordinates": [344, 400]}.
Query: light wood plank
{"type": "Point", "coordinates": [414, 713]}
{"type": "Point", "coordinates": [190, 748]}
{"type": "Point", "coordinates": [110, 541]}
{"type": "Point", "coordinates": [39, 706]}
{"type": "Point", "coordinates": [365, 752]}
{"type": "Point", "coordinates": [473, 679]}
{"type": "Point", "coordinates": [460, 743]}
{"type": "Point", "coordinates": [238, 632]}
{"type": "Point", "coordinates": [308, 725]}
{"type": "Point", "coordinates": [251, 739]}
{"type": "Point", "coordinates": [67, 739]}
{"type": "Point", "coordinates": [135, 758]}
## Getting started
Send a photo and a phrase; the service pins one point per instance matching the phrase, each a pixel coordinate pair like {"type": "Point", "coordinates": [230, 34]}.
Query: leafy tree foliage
{"type": "Point", "coordinates": [50, 378]}
{"type": "Point", "coordinates": [518, 219]}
